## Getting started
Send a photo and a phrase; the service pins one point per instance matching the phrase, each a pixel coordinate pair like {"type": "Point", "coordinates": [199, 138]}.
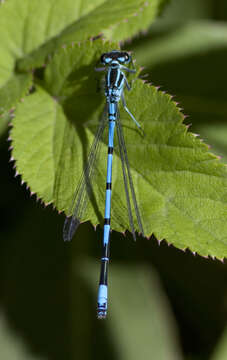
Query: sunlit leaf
{"type": "Point", "coordinates": [13, 91]}
{"type": "Point", "coordinates": [180, 186]}
{"type": "Point", "coordinates": [32, 30]}
{"type": "Point", "coordinates": [142, 19]}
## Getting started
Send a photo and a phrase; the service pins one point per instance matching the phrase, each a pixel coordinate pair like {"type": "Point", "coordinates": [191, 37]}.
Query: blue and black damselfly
{"type": "Point", "coordinates": [115, 82]}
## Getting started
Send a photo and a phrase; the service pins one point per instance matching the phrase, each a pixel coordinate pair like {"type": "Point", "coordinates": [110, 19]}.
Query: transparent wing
{"type": "Point", "coordinates": [128, 180]}
{"type": "Point", "coordinates": [84, 188]}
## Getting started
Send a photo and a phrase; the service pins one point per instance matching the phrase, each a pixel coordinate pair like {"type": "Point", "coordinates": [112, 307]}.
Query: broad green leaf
{"type": "Point", "coordinates": [51, 123]}
{"type": "Point", "coordinates": [139, 319]}
{"type": "Point", "coordinates": [190, 60]}
{"type": "Point", "coordinates": [14, 90]}
{"type": "Point", "coordinates": [36, 141]}
{"type": "Point", "coordinates": [181, 187]}
{"type": "Point", "coordinates": [142, 19]}
{"type": "Point", "coordinates": [26, 25]}
{"type": "Point", "coordinates": [32, 30]}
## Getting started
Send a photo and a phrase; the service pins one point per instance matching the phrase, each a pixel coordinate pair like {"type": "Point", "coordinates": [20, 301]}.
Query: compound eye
{"type": "Point", "coordinates": [105, 59]}
{"type": "Point", "coordinates": [121, 59]}
{"type": "Point", "coordinates": [108, 60]}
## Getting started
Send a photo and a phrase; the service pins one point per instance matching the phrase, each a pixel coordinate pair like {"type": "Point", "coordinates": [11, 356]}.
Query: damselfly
{"type": "Point", "coordinates": [115, 82]}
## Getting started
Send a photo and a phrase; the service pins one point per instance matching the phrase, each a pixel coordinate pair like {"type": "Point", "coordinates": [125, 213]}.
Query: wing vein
{"type": "Point", "coordinates": [128, 180]}
{"type": "Point", "coordinates": [84, 188]}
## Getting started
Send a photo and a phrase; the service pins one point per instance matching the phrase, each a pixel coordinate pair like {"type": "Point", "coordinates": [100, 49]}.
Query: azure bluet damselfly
{"type": "Point", "coordinates": [115, 82]}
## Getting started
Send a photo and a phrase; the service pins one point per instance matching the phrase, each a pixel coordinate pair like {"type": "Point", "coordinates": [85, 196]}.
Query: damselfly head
{"type": "Point", "coordinates": [115, 57]}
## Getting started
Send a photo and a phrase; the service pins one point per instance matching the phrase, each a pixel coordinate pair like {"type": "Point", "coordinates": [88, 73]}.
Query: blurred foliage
{"type": "Point", "coordinates": [172, 298]}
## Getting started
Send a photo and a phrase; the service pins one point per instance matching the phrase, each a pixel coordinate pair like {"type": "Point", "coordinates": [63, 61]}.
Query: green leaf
{"type": "Point", "coordinates": [107, 14]}
{"type": "Point", "coordinates": [32, 30]}
{"type": "Point", "coordinates": [141, 20]}
{"type": "Point", "coordinates": [27, 25]}
{"type": "Point", "coordinates": [13, 91]}
{"type": "Point", "coordinates": [138, 310]}
{"type": "Point", "coordinates": [180, 57]}
{"type": "Point", "coordinates": [181, 41]}
{"type": "Point", "coordinates": [180, 186]}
